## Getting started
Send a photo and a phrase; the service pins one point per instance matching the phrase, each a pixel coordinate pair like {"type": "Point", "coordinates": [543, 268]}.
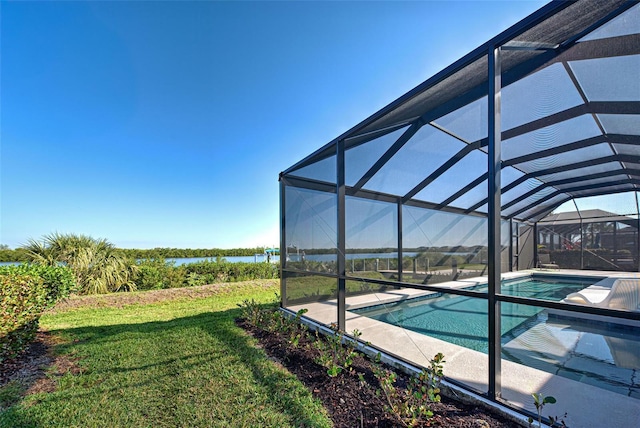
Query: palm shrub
{"type": "Point", "coordinates": [98, 266]}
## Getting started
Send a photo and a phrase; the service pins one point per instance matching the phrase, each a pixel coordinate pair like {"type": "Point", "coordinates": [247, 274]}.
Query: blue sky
{"type": "Point", "coordinates": [165, 124]}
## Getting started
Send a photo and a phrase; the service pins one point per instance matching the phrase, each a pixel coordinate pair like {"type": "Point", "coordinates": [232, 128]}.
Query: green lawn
{"type": "Point", "coordinates": [166, 364]}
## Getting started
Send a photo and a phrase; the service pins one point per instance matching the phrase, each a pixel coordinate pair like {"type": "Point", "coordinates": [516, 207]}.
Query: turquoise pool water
{"type": "Point", "coordinates": [600, 354]}
{"type": "Point", "coordinates": [463, 320]}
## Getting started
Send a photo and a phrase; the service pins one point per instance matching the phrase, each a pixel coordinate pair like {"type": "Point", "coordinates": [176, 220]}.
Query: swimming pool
{"type": "Point", "coordinates": [601, 354]}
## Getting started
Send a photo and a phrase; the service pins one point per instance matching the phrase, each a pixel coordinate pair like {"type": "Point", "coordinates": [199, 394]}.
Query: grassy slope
{"type": "Point", "coordinates": [167, 364]}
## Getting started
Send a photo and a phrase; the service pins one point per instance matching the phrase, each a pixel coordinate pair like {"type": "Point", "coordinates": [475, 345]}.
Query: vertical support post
{"type": "Point", "coordinates": [638, 231]}
{"type": "Point", "coordinates": [581, 244]}
{"type": "Point", "coordinates": [494, 259]}
{"type": "Point", "coordinates": [399, 239]}
{"type": "Point", "coordinates": [342, 264]}
{"type": "Point", "coordinates": [510, 245]}
{"type": "Point", "coordinates": [581, 235]}
{"type": "Point", "coordinates": [283, 243]}
{"type": "Point", "coordinates": [615, 243]}
{"type": "Point", "coordinates": [535, 244]}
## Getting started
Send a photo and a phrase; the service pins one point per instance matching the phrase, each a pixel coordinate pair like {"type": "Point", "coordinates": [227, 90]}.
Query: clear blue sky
{"type": "Point", "coordinates": [165, 124]}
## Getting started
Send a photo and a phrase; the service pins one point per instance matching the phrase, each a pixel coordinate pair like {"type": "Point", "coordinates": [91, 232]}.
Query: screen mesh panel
{"type": "Point", "coordinates": [626, 23]}
{"type": "Point", "coordinates": [463, 172]}
{"type": "Point", "coordinates": [557, 135]}
{"type": "Point", "coordinates": [360, 158]}
{"type": "Point", "coordinates": [426, 151]}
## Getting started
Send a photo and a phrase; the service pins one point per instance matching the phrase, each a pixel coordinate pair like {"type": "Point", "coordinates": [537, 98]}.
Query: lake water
{"type": "Point", "coordinates": [311, 257]}
{"type": "Point", "coordinates": [262, 258]}
{"type": "Point", "coordinates": [332, 257]}
{"type": "Point", "coordinates": [232, 259]}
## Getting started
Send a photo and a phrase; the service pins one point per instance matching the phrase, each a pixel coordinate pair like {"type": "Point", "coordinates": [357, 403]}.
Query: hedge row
{"type": "Point", "coordinates": [27, 291]}
{"type": "Point", "coordinates": [158, 273]}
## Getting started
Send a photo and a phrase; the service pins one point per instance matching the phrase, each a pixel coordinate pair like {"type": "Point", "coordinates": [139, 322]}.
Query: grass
{"type": "Point", "coordinates": [170, 363]}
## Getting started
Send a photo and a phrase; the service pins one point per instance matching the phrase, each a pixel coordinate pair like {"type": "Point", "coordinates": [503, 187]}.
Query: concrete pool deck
{"type": "Point", "coordinates": [586, 405]}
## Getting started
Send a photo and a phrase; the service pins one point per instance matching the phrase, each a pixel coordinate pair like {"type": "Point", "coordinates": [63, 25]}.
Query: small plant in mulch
{"type": "Point", "coordinates": [273, 321]}
{"type": "Point", "coordinates": [335, 353]}
{"type": "Point", "coordinates": [412, 405]}
{"type": "Point", "coordinates": [540, 401]}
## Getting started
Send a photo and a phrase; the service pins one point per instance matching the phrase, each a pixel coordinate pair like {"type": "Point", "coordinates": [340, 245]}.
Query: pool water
{"type": "Point", "coordinates": [585, 351]}
{"type": "Point", "coordinates": [440, 316]}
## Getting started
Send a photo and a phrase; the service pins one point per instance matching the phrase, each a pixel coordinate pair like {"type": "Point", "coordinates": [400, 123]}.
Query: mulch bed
{"type": "Point", "coordinates": [352, 403]}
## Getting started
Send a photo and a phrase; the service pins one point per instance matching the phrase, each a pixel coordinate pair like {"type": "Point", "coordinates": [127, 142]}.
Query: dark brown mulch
{"type": "Point", "coordinates": [352, 403]}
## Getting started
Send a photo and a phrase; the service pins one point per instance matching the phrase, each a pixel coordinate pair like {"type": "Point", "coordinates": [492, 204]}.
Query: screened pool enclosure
{"type": "Point", "coordinates": [519, 162]}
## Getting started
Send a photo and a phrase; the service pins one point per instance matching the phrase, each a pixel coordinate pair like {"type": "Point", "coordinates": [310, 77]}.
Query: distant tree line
{"type": "Point", "coordinates": [17, 255]}
{"type": "Point", "coordinates": [173, 253]}
{"type": "Point", "coordinates": [21, 254]}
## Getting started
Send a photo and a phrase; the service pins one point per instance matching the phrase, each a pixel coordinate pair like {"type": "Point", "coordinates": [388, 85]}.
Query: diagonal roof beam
{"type": "Point", "coordinates": [593, 107]}
{"type": "Point", "coordinates": [602, 48]}
{"type": "Point", "coordinates": [543, 212]}
{"type": "Point", "coordinates": [351, 142]}
{"type": "Point", "coordinates": [391, 151]}
{"type": "Point", "coordinates": [633, 140]}
{"type": "Point", "coordinates": [569, 167]}
{"type": "Point", "coordinates": [629, 172]}
{"type": "Point", "coordinates": [441, 170]}
{"type": "Point", "coordinates": [611, 138]}
{"type": "Point", "coordinates": [593, 49]}
{"type": "Point", "coordinates": [570, 190]}
{"type": "Point", "coordinates": [587, 142]}
{"type": "Point", "coordinates": [462, 191]}
{"type": "Point", "coordinates": [561, 168]}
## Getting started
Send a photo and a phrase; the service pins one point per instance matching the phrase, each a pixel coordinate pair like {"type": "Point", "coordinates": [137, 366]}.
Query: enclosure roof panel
{"type": "Point", "coordinates": [529, 44]}
{"type": "Point", "coordinates": [570, 119]}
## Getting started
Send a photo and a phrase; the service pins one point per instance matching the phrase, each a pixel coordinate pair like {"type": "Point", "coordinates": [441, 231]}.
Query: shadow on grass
{"type": "Point", "coordinates": [230, 342]}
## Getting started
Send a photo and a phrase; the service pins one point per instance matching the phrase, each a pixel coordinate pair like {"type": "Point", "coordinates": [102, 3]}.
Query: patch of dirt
{"type": "Point", "coordinates": [30, 369]}
{"type": "Point", "coordinates": [352, 403]}
{"type": "Point", "coordinates": [120, 300]}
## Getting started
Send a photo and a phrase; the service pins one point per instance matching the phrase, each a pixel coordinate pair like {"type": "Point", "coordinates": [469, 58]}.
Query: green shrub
{"type": "Point", "coordinates": [219, 270]}
{"type": "Point", "coordinates": [58, 281]}
{"type": "Point", "coordinates": [156, 273]}
{"type": "Point", "coordinates": [27, 290]}
{"type": "Point", "coordinates": [23, 299]}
